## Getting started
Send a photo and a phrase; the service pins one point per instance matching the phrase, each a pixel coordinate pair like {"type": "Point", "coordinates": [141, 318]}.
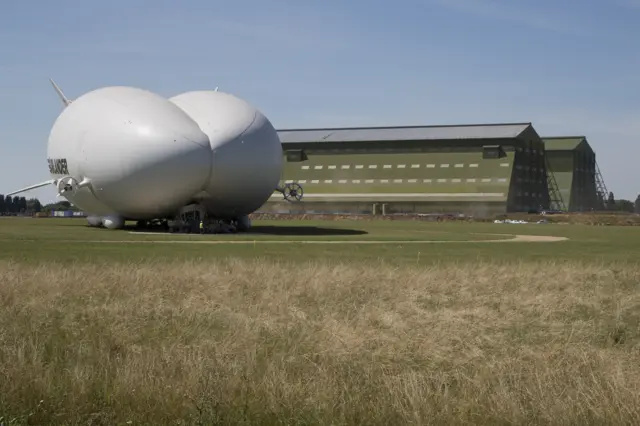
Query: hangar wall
{"type": "Point", "coordinates": [572, 162]}
{"type": "Point", "coordinates": [472, 169]}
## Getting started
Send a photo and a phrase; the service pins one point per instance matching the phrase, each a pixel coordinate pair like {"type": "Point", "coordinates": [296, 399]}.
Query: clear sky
{"type": "Point", "coordinates": [567, 66]}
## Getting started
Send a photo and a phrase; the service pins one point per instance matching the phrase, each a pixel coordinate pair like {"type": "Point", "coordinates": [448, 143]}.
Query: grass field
{"type": "Point", "coordinates": [109, 327]}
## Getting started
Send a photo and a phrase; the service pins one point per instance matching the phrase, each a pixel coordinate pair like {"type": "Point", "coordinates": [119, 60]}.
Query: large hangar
{"type": "Point", "coordinates": [480, 169]}
{"type": "Point", "coordinates": [572, 162]}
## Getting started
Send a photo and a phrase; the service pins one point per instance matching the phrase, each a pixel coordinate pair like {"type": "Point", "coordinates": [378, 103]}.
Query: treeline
{"type": "Point", "coordinates": [27, 206]}
{"type": "Point", "coordinates": [623, 205]}
{"type": "Point", "coordinates": [10, 206]}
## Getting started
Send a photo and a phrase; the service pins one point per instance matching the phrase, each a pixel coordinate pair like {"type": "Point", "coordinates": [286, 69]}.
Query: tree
{"type": "Point", "coordinates": [637, 205]}
{"type": "Point", "coordinates": [8, 204]}
{"type": "Point", "coordinates": [611, 201]}
{"type": "Point", "coordinates": [60, 205]}
{"type": "Point", "coordinates": [22, 202]}
{"type": "Point", "coordinates": [34, 205]}
{"type": "Point", "coordinates": [624, 206]}
{"type": "Point", "coordinates": [15, 202]}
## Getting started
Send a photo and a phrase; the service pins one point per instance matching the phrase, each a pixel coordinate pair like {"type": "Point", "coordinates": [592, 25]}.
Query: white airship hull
{"type": "Point", "coordinates": [246, 152]}
{"type": "Point", "coordinates": [130, 154]}
{"type": "Point", "coordinates": [144, 156]}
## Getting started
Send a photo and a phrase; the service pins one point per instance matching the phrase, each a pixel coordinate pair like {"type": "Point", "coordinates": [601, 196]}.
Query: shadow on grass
{"type": "Point", "coordinates": [271, 230]}
{"type": "Point", "coordinates": [302, 231]}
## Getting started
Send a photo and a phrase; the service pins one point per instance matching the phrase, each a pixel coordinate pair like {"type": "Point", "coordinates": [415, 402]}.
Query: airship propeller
{"type": "Point", "coordinates": [67, 184]}
{"type": "Point", "coordinates": [292, 191]}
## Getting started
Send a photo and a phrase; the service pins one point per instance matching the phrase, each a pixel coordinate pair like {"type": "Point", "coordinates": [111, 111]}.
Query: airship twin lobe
{"type": "Point", "coordinates": [123, 153]}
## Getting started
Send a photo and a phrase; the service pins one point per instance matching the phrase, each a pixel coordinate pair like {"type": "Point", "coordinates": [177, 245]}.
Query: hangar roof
{"type": "Point", "coordinates": [564, 143]}
{"type": "Point", "coordinates": [403, 133]}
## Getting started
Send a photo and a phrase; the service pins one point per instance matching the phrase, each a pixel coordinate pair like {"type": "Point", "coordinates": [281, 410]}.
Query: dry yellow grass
{"type": "Point", "coordinates": [253, 342]}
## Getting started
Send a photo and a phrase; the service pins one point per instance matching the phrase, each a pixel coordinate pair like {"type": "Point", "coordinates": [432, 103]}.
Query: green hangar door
{"type": "Point", "coordinates": [470, 169]}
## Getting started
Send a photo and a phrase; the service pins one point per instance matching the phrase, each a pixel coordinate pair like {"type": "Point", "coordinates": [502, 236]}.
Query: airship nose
{"type": "Point", "coordinates": [154, 169]}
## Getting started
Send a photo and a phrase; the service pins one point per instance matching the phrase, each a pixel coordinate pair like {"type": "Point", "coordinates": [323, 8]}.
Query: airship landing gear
{"type": "Point", "coordinates": [243, 223]}
{"type": "Point", "coordinates": [188, 220]}
{"type": "Point", "coordinates": [113, 222]}
{"type": "Point", "coordinates": [152, 225]}
{"type": "Point", "coordinates": [193, 219]}
{"type": "Point", "coordinates": [94, 221]}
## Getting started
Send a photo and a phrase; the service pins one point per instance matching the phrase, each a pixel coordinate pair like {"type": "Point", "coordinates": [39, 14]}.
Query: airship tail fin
{"type": "Point", "coordinates": [60, 93]}
{"type": "Point", "coordinates": [37, 185]}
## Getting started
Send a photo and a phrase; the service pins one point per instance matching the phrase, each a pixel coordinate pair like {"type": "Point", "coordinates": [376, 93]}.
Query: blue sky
{"type": "Point", "coordinates": [569, 67]}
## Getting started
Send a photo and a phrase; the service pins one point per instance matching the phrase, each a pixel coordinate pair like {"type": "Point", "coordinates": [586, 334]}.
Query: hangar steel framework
{"type": "Point", "coordinates": [572, 162]}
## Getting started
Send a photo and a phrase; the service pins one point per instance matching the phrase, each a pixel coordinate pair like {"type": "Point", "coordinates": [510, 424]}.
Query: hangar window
{"type": "Point", "coordinates": [493, 151]}
{"type": "Point", "coordinates": [296, 155]}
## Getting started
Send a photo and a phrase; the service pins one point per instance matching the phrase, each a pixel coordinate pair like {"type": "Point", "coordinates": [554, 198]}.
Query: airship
{"type": "Point", "coordinates": [123, 153]}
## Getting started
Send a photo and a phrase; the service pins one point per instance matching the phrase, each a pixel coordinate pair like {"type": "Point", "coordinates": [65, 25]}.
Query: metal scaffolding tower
{"type": "Point", "coordinates": [555, 198]}
{"type": "Point", "coordinates": [603, 193]}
